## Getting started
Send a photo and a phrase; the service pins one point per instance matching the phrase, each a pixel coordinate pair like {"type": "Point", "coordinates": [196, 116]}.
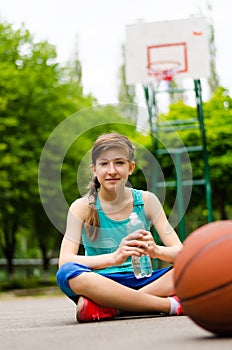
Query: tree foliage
{"type": "Point", "coordinates": [217, 119]}
{"type": "Point", "coordinates": [36, 95]}
{"type": "Point", "coordinates": [213, 80]}
{"type": "Point", "coordinates": [126, 92]}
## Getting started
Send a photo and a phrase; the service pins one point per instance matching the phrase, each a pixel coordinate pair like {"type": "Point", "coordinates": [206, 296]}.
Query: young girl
{"type": "Point", "coordinates": [102, 282]}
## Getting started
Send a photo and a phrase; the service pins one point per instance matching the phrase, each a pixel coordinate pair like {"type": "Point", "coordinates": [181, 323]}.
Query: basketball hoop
{"type": "Point", "coordinates": [163, 70]}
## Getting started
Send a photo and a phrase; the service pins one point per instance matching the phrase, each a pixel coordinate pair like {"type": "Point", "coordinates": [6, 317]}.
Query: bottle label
{"type": "Point", "coordinates": [142, 266]}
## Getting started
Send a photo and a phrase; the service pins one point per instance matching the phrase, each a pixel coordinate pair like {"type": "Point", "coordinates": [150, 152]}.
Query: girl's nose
{"type": "Point", "coordinates": [112, 168]}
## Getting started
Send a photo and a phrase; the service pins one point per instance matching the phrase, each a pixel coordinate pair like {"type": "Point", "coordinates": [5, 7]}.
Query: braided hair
{"type": "Point", "coordinates": [102, 144]}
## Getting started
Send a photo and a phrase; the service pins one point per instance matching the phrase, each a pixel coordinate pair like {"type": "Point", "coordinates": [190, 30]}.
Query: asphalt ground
{"type": "Point", "coordinates": [48, 322]}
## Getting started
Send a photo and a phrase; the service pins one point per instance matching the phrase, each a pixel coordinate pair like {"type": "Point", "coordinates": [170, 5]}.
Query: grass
{"type": "Point", "coordinates": [27, 283]}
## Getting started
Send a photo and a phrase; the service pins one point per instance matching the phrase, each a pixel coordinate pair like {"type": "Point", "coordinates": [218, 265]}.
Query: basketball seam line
{"type": "Point", "coordinates": [209, 245]}
{"type": "Point", "coordinates": [207, 292]}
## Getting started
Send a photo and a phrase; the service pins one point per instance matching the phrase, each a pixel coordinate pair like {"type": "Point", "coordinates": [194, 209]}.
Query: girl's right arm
{"type": "Point", "coordinates": [130, 245]}
{"type": "Point", "coordinates": [72, 238]}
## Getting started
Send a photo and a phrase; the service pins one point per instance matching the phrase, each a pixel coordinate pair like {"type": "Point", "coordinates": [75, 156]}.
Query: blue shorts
{"type": "Point", "coordinates": [71, 270]}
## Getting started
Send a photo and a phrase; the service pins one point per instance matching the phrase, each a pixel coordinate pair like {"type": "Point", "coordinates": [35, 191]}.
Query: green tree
{"type": "Point", "coordinates": [213, 80]}
{"type": "Point", "coordinates": [75, 67]}
{"type": "Point", "coordinates": [36, 95]}
{"type": "Point", "coordinates": [217, 118]}
{"type": "Point", "coordinates": [12, 172]}
{"type": "Point", "coordinates": [127, 93]}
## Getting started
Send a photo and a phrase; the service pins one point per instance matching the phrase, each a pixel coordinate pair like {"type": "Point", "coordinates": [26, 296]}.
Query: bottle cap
{"type": "Point", "coordinates": [133, 215]}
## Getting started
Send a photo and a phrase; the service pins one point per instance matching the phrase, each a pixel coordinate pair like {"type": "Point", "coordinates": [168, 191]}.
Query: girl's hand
{"type": "Point", "coordinates": [152, 247]}
{"type": "Point", "coordinates": [133, 244]}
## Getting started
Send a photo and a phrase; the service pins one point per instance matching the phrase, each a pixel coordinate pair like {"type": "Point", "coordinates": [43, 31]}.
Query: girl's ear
{"type": "Point", "coordinates": [131, 167]}
{"type": "Point", "coordinates": [93, 169]}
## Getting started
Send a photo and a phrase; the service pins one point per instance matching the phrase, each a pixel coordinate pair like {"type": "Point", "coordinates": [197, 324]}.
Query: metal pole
{"type": "Point", "coordinates": [198, 91]}
{"type": "Point", "coordinates": [180, 196]}
{"type": "Point", "coordinates": [151, 106]}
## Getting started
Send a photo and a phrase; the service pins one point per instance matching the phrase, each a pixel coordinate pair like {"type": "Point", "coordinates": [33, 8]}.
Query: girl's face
{"type": "Point", "coordinates": [113, 168]}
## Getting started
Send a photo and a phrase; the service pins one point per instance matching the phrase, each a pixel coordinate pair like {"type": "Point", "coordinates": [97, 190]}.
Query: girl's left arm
{"type": "Point", "coordinates": [172, 244]}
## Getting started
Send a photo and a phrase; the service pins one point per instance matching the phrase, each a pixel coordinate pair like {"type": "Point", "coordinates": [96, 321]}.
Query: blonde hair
{"type": "Point", "coordinates": [104, 143]}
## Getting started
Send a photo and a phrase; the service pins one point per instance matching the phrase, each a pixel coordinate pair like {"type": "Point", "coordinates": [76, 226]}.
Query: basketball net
{"type": "Point", "coordinates": [163, 70]}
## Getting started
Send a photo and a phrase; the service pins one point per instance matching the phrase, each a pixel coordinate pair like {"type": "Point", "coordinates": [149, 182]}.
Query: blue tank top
{"type": "Point", "coordinates": [112, 232]}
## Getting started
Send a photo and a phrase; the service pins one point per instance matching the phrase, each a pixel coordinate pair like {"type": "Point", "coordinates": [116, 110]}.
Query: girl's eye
{"type": "Point", "coordinates": [116, 162]}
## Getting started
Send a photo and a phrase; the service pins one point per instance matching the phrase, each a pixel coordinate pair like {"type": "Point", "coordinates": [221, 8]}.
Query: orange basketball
{"type": "Point", "coordinates": [203, 277]}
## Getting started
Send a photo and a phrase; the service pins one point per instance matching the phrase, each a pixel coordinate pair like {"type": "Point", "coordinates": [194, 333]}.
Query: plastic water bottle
{"type": "Point", "coordinates": [142, 265]}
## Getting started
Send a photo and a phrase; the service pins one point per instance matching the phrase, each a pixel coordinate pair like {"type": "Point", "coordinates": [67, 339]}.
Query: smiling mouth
{"type": "Point", "coordinates": [113, 179]}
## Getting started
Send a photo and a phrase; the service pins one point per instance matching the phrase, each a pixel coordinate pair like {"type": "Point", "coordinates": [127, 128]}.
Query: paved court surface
{"type": "Point", "coordinates": [48, 322]}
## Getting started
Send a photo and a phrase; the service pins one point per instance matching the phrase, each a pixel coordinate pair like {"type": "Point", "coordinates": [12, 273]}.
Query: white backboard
{"type": "Point", "coordinates": [181, 45]}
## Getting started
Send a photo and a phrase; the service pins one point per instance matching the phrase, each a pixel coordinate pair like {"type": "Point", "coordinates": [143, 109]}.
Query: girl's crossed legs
{"type": "Point", "coordinates": [104, 291]}
{"type": "Point", "coordinates": [117, 291]}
